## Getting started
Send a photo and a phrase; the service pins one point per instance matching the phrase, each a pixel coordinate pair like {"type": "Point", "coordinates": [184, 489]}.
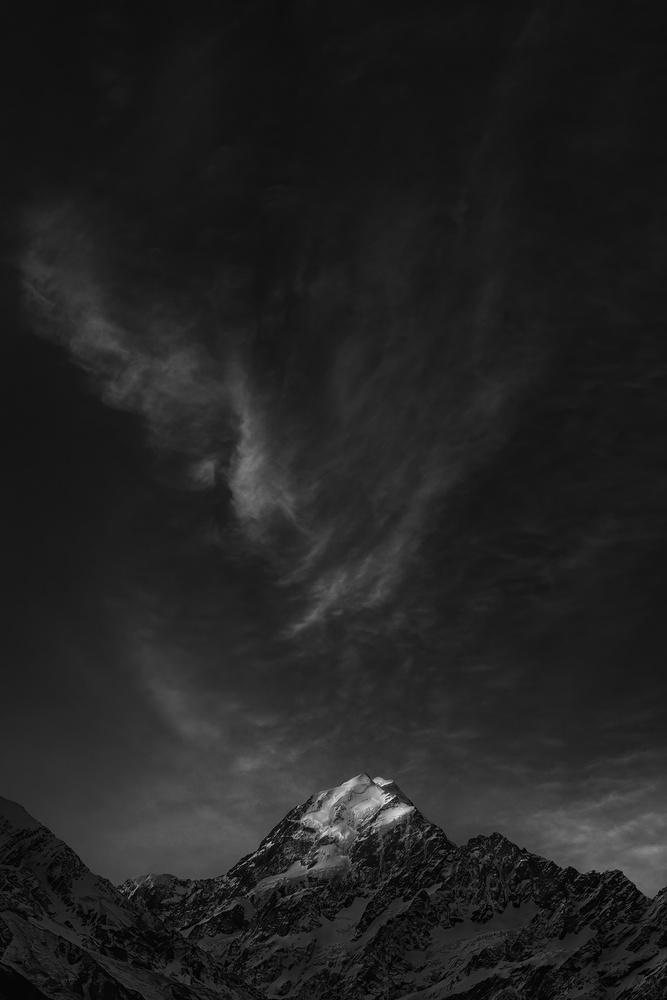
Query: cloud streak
{"type": "Point", "coordinates": [354, 347]}
{"type": "Point", "coordinates": [621, 829]}
{"type": "Point", "coordinates": [339, 494]}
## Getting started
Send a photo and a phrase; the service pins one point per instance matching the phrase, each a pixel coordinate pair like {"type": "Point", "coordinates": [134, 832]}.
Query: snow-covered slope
{"type": "Point", "coordinates": [65, 932]}
{"type": "Point", "coordinates": [356, 895]}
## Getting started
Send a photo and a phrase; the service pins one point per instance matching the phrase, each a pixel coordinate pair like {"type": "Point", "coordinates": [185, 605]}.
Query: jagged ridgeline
{"type": "Point", "coordinates": [355, 895]}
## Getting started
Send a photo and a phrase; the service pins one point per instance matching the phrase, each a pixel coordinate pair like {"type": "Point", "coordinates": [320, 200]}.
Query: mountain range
{"type": "Point", "coordinates": [354, 895]}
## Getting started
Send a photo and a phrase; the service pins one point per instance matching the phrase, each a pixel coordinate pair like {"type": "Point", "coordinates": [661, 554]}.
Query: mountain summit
{"type": "Point", "coordinates": [359, 805]}
{"type": "Point", "coordinates": [356, 826]}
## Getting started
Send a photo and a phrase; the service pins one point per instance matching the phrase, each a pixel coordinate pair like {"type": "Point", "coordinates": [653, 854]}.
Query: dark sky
{"type": "Point", "coordinates": [334, 414]}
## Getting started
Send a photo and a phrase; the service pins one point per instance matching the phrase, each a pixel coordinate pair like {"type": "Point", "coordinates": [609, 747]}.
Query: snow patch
{"type": "Point", "coordinates": [295, 871]}
{"type": "Point", "coordinates": [338, 812]}
{"type": "Point", "coordinates": [390, 817]}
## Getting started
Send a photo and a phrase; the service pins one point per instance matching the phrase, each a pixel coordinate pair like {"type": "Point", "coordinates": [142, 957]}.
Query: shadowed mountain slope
{"type": "Point", "coordinates": [356, 895]}
{"type": "Point", "coordinates": [65, 932]}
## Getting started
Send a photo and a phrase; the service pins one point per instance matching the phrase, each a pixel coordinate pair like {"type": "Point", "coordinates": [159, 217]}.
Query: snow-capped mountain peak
{"type": "Point", "coordinates": [360, 803]}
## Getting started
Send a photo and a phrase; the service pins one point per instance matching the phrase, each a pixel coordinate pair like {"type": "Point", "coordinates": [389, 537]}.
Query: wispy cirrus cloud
{"type": "Point", "coordinates": [339, 493]}
{"type": "Point", "coordinates": [600, 836]}
{"type": "Point", "coordinates": [608, 816]}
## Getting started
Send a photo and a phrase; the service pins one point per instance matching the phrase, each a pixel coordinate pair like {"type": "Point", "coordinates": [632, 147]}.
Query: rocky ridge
{"type": "Point", "coordinates": [65, 932]}
{"type": "Point", "coordinates": [356, 895]}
